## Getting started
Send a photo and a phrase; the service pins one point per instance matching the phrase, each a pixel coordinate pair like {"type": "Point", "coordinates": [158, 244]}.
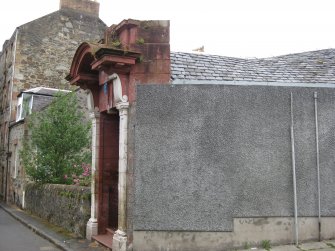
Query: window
{"type": "Point", "coordinates": [24, 106]}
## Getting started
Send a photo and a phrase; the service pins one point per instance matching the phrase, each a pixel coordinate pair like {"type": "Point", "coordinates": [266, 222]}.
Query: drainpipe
{"type": "Point", "coordinates": [317, 160]}
{"type": "Point", "coordinates": [294, 176]}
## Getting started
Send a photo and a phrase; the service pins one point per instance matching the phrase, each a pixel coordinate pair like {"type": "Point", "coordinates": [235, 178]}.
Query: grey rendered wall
{"type": "Point", "coordinates": [206, 154]}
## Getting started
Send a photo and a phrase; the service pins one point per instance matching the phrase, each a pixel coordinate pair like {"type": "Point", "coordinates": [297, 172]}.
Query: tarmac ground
{"type": "Point", "coordinates": [56, 235]}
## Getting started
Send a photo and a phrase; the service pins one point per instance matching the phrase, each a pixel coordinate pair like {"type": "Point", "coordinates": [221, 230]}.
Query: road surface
{"type": "Point", "coordinates": [16, 237]}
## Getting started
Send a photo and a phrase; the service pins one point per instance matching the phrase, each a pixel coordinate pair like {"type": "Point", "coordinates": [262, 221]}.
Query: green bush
{"type": "Point", "coordinates": [266, 244]}
{"type": "Point", "coordinates": [58, 144]}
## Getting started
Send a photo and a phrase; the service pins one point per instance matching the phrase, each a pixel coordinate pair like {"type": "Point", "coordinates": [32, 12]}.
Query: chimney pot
{"type": "Point", "coordinates": [90, 7]}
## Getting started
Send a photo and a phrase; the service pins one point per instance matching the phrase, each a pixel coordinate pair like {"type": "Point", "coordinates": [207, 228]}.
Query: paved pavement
{"type": "Point", "coordinates": [55, 236]}
{"type": "Point", "coordinates": [62, 241]}
{"type": "Point", "coordinates": [310, 246]}
{"type": "Point", "coordinates": [14, 236]}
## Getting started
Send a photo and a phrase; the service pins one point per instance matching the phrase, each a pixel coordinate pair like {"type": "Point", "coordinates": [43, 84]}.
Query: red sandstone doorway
{"type": "Point", "coordinates": [108, 176]}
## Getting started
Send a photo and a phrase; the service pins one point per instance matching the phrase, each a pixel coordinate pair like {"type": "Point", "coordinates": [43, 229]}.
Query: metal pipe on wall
{"type": "Point", "coordinates": [317, 159]}
{"type": "Point", "coordinates": [294, 176]}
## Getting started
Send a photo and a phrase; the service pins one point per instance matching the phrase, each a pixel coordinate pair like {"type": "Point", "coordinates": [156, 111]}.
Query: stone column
{"type": "Point", "coordinates": [92, 224]}
{"type": "Point", "coordinates": [120, 236]}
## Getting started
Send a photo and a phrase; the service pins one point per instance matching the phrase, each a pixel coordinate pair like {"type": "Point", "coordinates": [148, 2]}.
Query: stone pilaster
{"type": "Point", "coordinates": [120, 236]}
{"type": "Point", "coordinates": [92, 224]}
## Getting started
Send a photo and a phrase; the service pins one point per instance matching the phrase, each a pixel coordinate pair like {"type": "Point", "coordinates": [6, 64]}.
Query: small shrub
{"type": "Point", "coordinates": [116, 43]}
{"type": "Point", "coordinates": [266, 244]}
{"type": "Point", "coordinates": [59, 140]}
{"type": "Point", "coordinates": [80, 175]}
{"type": "Point", "coordinates": [140, 41]}
{"type": "Point", "coordinates": [246, 245]}
{"type": "Point", "coordinates": [140, 59]}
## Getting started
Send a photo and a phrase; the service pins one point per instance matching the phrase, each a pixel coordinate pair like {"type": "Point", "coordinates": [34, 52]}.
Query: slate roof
{"type": "Point", "coordinates": [44, 91]}
{"type": "Point", "coordinates": [307, 67]}
{"type": "Point", "coordinates": [43, 96]}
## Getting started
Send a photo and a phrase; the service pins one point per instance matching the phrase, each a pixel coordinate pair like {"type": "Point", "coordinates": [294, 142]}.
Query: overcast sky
{"type": "Point", "coordinates": [238, 28]}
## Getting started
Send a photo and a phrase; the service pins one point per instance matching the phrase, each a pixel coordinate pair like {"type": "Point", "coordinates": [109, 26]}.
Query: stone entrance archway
{"type": "Point", "coordinates": [111, 74]}
{"type": "Point", "coordinates": [109, 148]}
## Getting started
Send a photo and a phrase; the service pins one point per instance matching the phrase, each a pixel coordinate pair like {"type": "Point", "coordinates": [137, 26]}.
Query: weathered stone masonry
{"type": "Point", "coordinates": [38, 54]}
{"type": "Point", "coordinates": [62, 205]}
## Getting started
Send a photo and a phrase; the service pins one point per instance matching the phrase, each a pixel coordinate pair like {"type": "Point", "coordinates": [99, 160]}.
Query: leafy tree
{"type": "Point", "coordinates": [58, 144]}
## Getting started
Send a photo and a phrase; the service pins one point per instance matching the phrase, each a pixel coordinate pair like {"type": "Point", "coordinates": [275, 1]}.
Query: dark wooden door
{"type": "Point", "coordinates": [113, 201]}
{"type": "Point", "coordinates": [109, 141]}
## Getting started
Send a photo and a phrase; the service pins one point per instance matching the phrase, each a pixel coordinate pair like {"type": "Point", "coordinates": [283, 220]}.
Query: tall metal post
{"type": "Point", "coordinates": [294, 176]}
{"type": "Point", "coordinates": [317, 160]}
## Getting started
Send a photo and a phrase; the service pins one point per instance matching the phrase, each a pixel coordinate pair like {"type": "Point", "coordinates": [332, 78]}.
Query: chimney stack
{"type": "Point", "coordinates": [90, 7]}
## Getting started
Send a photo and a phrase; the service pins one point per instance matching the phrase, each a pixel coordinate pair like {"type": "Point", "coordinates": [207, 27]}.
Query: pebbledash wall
{"type": "Point", "coordinates": [62, 205]}
{"type": "Point", "coordinates": [213, 166]}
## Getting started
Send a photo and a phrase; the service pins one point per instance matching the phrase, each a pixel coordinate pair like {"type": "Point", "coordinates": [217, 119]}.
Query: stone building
{"type": "Point", "coordinates": [39, 54]}
{"type": "Point", "coordinates": [205, 152]}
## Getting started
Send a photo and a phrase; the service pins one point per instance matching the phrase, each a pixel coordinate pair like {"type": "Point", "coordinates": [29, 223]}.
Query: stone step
{"type": "Point", "coordinates": [110, 231]}
{"type": "Point", "coordinates": [104, 239]}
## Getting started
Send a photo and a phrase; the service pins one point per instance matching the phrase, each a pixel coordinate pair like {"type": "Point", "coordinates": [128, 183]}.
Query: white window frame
{"type": "Point", "coordinates": [19, 114]}
{"type": "Point", "coordinates": [19, 109]}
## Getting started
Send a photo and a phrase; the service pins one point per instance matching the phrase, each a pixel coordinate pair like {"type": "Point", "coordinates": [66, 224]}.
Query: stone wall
{"type": "Point", "coordinates": [63, 205]}
{"type": "Point", "coordinates": [82, 104]}
{"type": "Point", "coordinates": [44, 52]}
{"type": "Point", "coordinates": [16, 173]}
{"type": "Point", "coordinates": [6, 72]}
